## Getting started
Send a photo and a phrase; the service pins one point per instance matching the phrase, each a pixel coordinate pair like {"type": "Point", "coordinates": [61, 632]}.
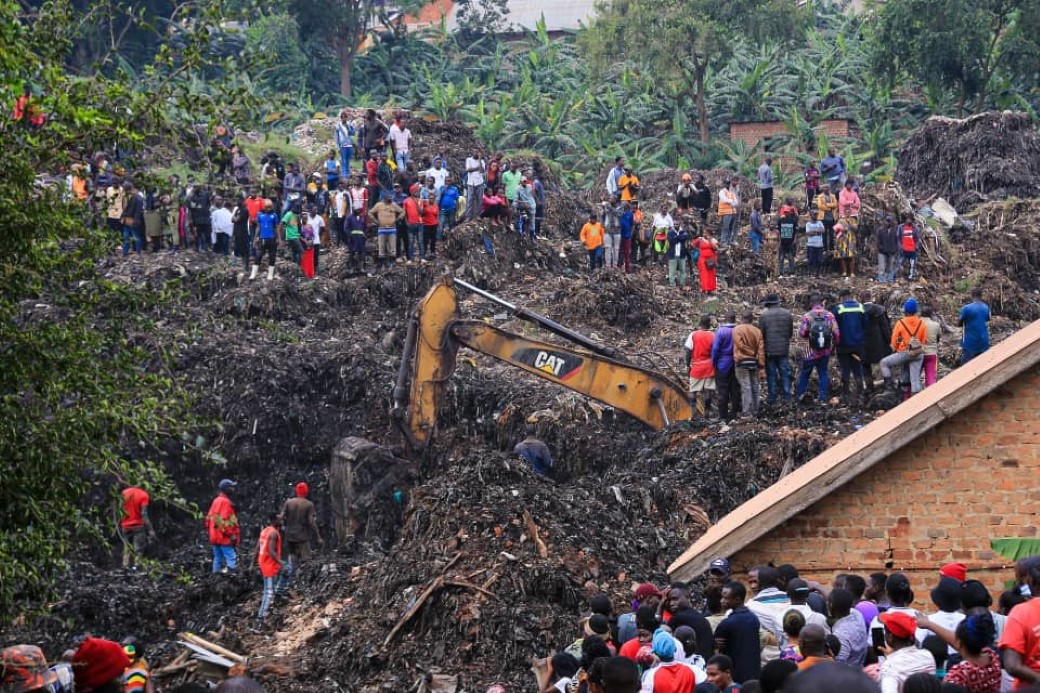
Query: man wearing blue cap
{"type": "Point", "coordinates": [909, 336]}
{"type": "Point", "coordinates": [223, 529]}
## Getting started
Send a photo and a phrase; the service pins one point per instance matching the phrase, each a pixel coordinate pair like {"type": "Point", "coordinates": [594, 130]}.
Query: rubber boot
{"type": "Point", "coordinates": [270, 273]}
{"type": "Point", "coordinates": [253, 270]}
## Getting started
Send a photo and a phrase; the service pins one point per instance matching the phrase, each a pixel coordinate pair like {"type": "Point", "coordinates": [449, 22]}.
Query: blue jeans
{"type": "Point", "coordinates": [969, 354]}
{"type": "Point", "coordinates": [820, 364]}
{"type": "Point", "coordinates": [729, 229]}
{"type": "Point", "coordinates": [445, 222]}
{"type": "Point", "coordinates": [224, 556]}
{"type": "Point", "coordinates": [778, 378]}
{"type": "Point", "coordinates": [595, 259]}
{"type": "Point", "coordinates": [346, 154]}
{"type": "Point", "coordinates": [415, 247]}
{"type": "Point", "coordinates": [138, 237]}
{"type": "Point", "coordinates": [267, 599]}
{"type": "Point", "coordinates": [756, 240]}
{"type": "Point", "coordinates": [284, 575]}
{"type": "Point", "coordinates": [401, 158]}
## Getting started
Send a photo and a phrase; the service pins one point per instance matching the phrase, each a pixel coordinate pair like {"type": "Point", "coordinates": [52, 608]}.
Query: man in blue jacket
{"type": "Point", "coordinates": [851, 350]}
{"type": "Point", "coordinates": [726, 386]}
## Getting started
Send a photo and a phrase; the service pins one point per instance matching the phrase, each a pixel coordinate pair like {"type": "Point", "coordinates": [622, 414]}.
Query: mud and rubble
{"type": "Point", "coordinates": [463, 562]}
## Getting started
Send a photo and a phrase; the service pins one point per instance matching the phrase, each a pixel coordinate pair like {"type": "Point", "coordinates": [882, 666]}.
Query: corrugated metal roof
{"type": "Point", "coordinates": [560, 15]}
{"type": "Point", "coordinates": [839, 464]}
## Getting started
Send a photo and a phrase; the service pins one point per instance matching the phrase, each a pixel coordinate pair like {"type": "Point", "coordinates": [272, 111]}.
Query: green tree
{"type": "Point", "coordinates": [86, 395]}
{"type": "Point", "coordinates": [958, 45]}
{"type": "Point", "coordinates": [274, 43]}
{"type": "Point", "coordinates": [679, 41]}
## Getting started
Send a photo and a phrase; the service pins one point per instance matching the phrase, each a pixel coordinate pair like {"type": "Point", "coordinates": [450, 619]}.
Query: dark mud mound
{"type": "Point", "coordinates": [988, 156]}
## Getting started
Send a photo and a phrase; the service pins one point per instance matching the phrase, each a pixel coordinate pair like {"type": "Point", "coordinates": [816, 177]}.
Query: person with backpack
{"type": "Point", "coordinates": [788, 229]}
{"type": "Point", "coordinates": [821, 333]}
{"type": "Point", "coordinates": [909, 240]}
{"type": "Point", "coordinates": [909, 335]}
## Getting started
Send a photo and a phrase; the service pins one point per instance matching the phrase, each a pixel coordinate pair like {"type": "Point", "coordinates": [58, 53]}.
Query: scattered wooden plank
{"type": "Point", "coordinates": [532, 529]}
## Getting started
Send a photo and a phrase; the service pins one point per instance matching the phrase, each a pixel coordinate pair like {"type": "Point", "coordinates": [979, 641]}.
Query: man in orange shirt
{"type": "Point", "coordinates": [269, 558]}
{"type": "Point", "coordinates": [909, 336]}
{"type": "Point", "coordinates": [135, 527]}
{"type": "Point", "coordinates": [812, 644]}
{"type": "Point", "coordinates": [592, 237]}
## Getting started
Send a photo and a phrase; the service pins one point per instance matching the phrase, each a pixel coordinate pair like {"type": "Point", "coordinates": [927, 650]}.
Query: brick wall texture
{"type": "Point", "coordinates": [940, 499]}
{"type": "Point", "coordinates": [753, 133]}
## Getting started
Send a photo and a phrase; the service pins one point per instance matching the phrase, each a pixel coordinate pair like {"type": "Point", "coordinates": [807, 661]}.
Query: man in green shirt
{"type": "Point", "coordinates": [291, 229]}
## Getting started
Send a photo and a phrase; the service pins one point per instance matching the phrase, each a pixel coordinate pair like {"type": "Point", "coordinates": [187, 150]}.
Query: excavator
{"type": "Point", "coordinates": [436, 331]}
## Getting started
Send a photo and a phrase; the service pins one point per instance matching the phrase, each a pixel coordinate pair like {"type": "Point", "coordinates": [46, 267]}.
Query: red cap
{"type": "Point", "coordinates": [302, 489]}
{"type": "Point", "coordinates": [957, 571]}
{"type": "Point", "coordinates": [901, 624]}
{"type": "Point", "coordinates": [98, 662]}
{"type": "Point", "coordinates": [647, 590]}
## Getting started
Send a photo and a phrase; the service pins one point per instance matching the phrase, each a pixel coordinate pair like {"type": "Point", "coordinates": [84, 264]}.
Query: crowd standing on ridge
{"type": "Point", "coordinates": [725, 364]}
{"type": "Point", "coordinates": [368, 187]}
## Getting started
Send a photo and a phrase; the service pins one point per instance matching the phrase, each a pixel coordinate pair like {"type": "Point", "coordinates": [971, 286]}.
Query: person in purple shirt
{"type": "Point", "coordinates": [726, 387]}
{"type": "Point", "coordinates": [820, 331]}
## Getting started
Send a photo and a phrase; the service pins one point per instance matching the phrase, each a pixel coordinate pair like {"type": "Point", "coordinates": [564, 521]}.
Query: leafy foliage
{"type": "Point", "coordinates": [1016, 548]}
{"type": "Point", "coordinates": [86, 398]}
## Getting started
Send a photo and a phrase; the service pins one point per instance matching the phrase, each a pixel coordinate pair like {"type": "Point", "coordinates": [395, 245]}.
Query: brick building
{"type": "Point", "coordinates": [751, 133]}
{"type": "Point", "coordinates": [930, 482]}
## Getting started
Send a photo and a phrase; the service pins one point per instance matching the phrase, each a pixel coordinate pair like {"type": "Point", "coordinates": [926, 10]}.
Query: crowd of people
{"type": "Point", "coordinates": [682, 231]}
{"type": "Point", "coordinates": [780, 632]}
{"type": "Point", "coordinates": [367, 188]}
{"type": "Point", "coordinates": [726, 362]}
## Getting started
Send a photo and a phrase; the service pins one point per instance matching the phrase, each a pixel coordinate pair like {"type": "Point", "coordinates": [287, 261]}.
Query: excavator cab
{"type": "Point", "coordinates": [436, 331]}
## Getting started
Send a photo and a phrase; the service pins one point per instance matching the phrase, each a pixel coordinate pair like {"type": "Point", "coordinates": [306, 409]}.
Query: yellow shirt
{"type": "Point", "coordinates": [628, 186]}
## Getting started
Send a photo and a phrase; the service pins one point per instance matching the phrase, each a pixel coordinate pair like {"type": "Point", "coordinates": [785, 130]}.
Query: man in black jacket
{"type": "Point", "coordinates": [877, 336]}
{"type": "Point", "coordinates": [201, 221]}
{"type": "Point", "coordinates": [777, 325]}
{"type": "Point", "coordinates": [133, 219]}
{"type": "Point", "coordinates": [887, 239]}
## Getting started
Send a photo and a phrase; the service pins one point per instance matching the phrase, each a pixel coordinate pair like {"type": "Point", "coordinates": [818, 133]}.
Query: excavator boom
{"type": "Point", "coordinates": [436, 332]}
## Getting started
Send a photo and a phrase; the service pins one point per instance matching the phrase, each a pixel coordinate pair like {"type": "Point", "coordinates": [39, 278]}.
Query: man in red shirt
{"type": "Point", "coordinates": [269, 558]}
{"type": "Point", "coordinates": [702, 372]}
{"type": "Point", "coordinates": [135, 528]}
{"type": "Point", "coordinates": [1020, 641]}
{"type": "Point", "coordinates": [223, 529]}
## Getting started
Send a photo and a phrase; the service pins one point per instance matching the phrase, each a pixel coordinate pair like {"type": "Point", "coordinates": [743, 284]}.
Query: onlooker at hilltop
{"type": "Point", "coordinates": [750, 355]}
{"type": "Point", "coordinates": [777, 325]}
{"type": "Point", "coordinates": [974, 318]}
{"type": "Point", "coordinates": [886, 238]}
{"type": "Point", "coordinates": [765, 184]}
{"type": "Point", "coordinates": [729, 212]}
{"type": "Point", "coordinates": [591, 237]}
{"type": "Point", "coordinates": [933, 330]}
{"type": "Point", "coordinates": [821, 333]}
{"type": "Point", "coordinates": [811, 175]}
{"type": "Point", "coordinates": [722, 361]}
{"type": "Point", "coordinates": [908, 339]}
{"type": "Point", "coordinates": [852, 324]}
{"type": "Point", "coordinates": [699, 364]}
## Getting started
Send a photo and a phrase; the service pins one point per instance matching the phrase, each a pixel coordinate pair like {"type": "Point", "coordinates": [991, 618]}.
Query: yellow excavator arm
{"type": "Point", "coordinates": [436, 332]}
